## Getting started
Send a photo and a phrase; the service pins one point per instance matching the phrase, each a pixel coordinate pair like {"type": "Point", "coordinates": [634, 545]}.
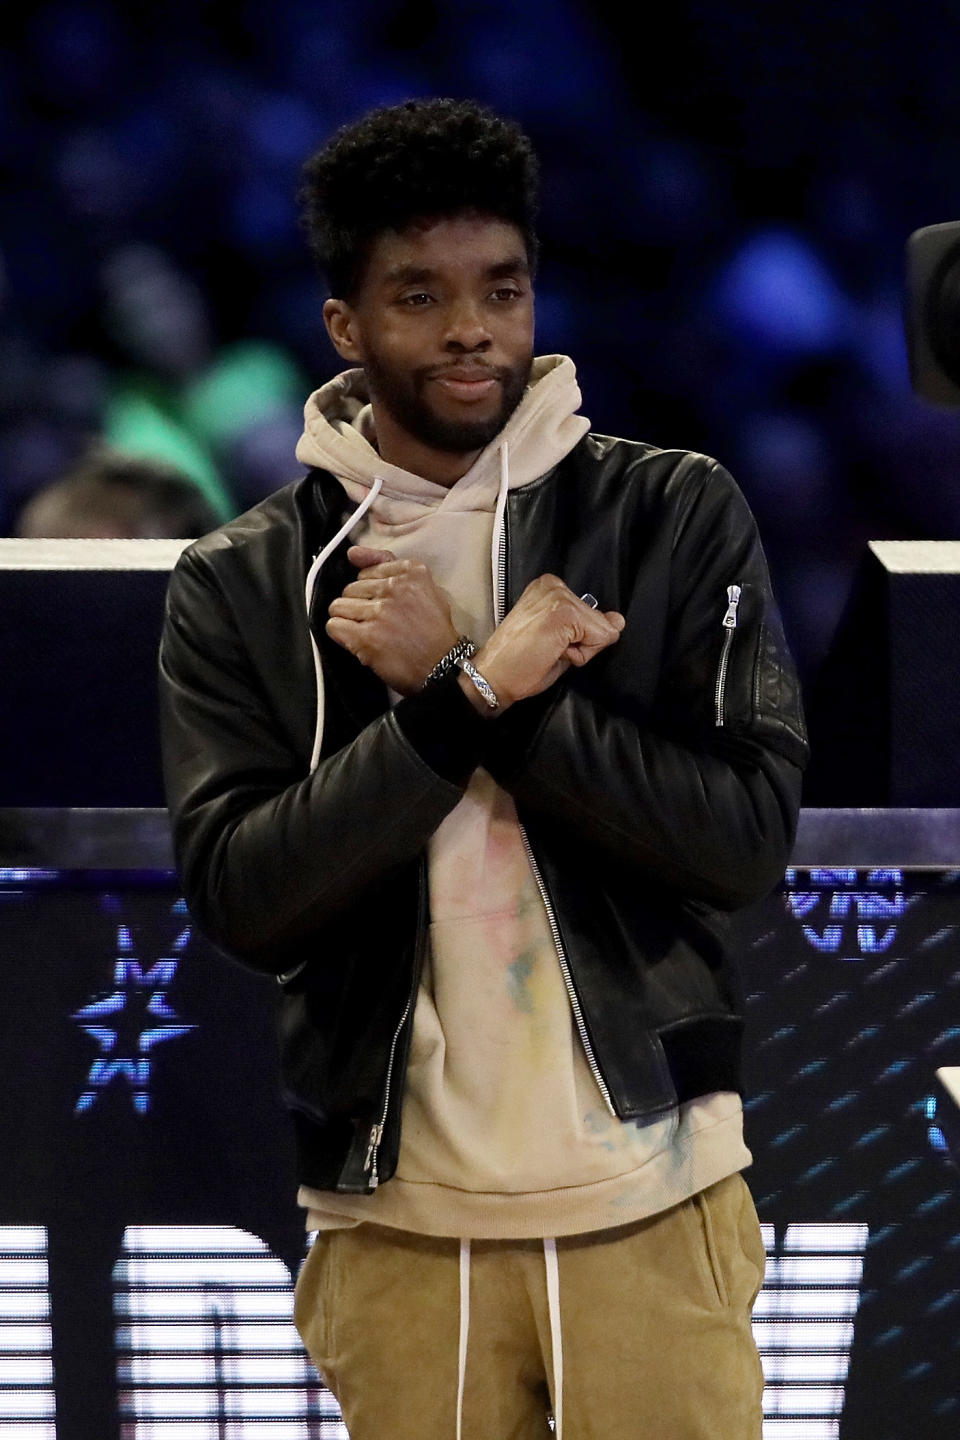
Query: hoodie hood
{"type": "Point", "coordinates": [396, 508]}
{"type": "Point", "coordinates": [339, 436]}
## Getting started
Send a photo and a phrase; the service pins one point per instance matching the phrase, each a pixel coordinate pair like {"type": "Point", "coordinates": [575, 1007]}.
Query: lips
{"type": "Point", "coordinates": [466, 382]}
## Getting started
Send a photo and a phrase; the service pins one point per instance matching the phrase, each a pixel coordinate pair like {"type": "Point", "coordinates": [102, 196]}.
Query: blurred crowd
{"type": "Point", "coordinates": [724, 218]}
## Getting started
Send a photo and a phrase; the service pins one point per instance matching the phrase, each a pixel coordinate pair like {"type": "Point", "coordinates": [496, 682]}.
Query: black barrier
{"type": "Point", "coordinates": [78, 655]}
{"type": "Point", "coordinates": [883, 710]}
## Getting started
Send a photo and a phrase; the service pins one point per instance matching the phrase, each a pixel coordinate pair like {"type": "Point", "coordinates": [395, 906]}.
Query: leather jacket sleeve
{"type": "Point", "coordinates": [266, 851]}
{"type": "Point", "coordinates": [704, 803]}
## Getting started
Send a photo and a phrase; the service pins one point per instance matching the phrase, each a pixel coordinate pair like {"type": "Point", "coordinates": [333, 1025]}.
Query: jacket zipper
{"type": "Point", "coordinates": [376, 1131]}
{"type": "Point", "coordinates": [574, 998]}
{"type": "Point", "coordinates": [730, 624]}
{"type": "Point", "coordinates": [500, 605]}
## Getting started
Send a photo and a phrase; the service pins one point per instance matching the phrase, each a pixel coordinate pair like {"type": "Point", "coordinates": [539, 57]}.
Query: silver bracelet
{"type": "Point", "coordinates": [482, 684]}
{"type": "Point", "coordinates": [464, 648]}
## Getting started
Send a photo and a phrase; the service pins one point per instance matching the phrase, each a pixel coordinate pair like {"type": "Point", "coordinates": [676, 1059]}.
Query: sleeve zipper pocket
{"type": "Point", "coordinates": [729, 626]}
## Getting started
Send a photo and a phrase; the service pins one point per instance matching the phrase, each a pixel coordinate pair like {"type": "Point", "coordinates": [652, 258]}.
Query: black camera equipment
{"type": "Point", "coordinates": [933, 313]}
{"type": "Point", "coordinates": [884, 709]}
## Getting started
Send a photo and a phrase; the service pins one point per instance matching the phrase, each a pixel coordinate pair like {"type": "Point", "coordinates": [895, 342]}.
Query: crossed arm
{"type": "Point", "coordinates": [712, 824]}
{"type": "Point", "coordinates": [268, 853]}
{"type": "Point", "coordinates": [396, 620]}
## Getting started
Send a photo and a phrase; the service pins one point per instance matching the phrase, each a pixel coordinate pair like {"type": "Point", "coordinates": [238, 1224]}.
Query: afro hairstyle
{"type": "Point", "coordinates": [424, 159]}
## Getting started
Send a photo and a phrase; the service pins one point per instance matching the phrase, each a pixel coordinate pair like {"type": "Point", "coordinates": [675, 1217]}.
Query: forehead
{"type": "Point", "coordinates": [455, 246]}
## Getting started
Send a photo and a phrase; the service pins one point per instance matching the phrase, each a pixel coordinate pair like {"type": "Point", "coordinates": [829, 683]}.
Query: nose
{"type": "Point", "coordinates": [467, 328]}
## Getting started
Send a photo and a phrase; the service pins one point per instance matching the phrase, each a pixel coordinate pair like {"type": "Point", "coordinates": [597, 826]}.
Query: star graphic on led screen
{"type": "Point", "coordinates": [130, 1021]}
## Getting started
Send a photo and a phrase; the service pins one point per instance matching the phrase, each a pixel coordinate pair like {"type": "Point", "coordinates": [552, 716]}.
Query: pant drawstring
{"type": "Point", "coordinates": [464, 1330]}
{"type": "Point", "coordinates": [556, 1338]}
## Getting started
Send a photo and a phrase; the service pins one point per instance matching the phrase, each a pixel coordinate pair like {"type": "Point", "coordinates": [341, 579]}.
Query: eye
{"type": "Point", "coordinates": [417, 299]}
{"type": "Point", "coordinates": [506, 293]}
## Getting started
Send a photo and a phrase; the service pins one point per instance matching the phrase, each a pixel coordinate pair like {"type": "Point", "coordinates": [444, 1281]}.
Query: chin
{"type": "Point", "coordinates": [461, 437]}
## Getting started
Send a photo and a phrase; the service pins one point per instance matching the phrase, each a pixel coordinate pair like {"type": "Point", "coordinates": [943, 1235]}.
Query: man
{"type": "Point", "coordinates": [483, 818]}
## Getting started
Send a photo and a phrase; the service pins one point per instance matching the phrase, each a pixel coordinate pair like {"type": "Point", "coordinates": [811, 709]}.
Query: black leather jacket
{"type": "Point", "coordinates": [658, 786]}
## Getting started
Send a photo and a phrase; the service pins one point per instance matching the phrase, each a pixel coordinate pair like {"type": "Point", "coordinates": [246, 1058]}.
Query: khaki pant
{"type": "Point", "coordinates": [655, 1323]}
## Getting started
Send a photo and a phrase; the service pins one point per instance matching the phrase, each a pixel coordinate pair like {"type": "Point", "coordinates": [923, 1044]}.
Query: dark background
{"type": "Point", "coordinates": [728, 193]}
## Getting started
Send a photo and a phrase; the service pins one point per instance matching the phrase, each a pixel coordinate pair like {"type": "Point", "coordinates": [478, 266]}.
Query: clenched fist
{"type": "Point", "coordinates": [394, 618]}
{"type": "Point", "coordinates": [548, 630]}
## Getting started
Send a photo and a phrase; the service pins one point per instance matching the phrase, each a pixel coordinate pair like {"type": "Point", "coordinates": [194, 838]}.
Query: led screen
{"type": "Point", "coordinates": [149, 1237]}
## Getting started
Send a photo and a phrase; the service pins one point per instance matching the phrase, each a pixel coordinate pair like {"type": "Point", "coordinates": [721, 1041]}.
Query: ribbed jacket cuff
{"type": "Point", "coordinates": [445, 730]}
{"type": "Point", "coordinates": [509, 736]}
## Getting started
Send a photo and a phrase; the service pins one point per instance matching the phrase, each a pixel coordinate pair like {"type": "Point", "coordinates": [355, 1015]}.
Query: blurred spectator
{"type": "Point", "coordinates": [228, 416]}
{"type": "Point", "coordinates": [113, 496]}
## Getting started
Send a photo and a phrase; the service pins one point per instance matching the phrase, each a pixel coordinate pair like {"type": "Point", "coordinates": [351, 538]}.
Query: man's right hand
{"type": "Point", "coordinates": [394, 618]}
{"type": "Point", "coordinates": [548, 630]}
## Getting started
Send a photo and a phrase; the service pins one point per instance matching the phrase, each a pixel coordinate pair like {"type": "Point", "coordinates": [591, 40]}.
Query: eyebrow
{"type": "Point", "coordinates": [517, 264]}
{"type": "Point", "coordinates": [422, 275]}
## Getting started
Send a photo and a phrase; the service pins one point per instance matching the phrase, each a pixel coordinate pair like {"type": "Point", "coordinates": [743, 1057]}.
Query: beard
{"type": "Point", "coordinates": [403, 394]}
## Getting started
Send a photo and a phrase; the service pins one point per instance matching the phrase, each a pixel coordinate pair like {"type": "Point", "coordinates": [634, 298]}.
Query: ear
{"type": "Point", "coordinates": [343, 327]}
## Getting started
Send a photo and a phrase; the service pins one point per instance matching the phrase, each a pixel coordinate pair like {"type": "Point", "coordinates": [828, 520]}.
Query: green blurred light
{"type": "Point", "coordinates": [248, 383]}
{"type": "Point", "coordinates": [136, 424]}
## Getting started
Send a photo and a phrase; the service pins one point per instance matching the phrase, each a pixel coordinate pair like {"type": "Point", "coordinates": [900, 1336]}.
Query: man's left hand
{"type": "Point", "coordinates": [394, 618]}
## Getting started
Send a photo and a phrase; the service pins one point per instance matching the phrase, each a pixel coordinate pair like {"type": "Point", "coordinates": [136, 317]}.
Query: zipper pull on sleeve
{"type": "Point", "coordinates": [729, 625]}
{"type": "Point", "coordinates": [733, 602]}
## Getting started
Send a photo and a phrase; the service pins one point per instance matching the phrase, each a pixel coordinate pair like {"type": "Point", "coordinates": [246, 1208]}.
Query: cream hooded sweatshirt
{"type": "Point", "coordinates": [505, 1134]}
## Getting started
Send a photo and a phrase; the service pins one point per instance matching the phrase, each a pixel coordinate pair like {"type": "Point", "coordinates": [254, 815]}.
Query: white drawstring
{"type": "Point", "coordinates": [498, 529]}
{"type": "Point", "coordinates": [464, 1330]}
{"type": "Point", "coordinates": [556, 1339]}
{"type": "Point", "coordinates": [309, 588]}
{"type": "Point", "coordinates": [341, 534]}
